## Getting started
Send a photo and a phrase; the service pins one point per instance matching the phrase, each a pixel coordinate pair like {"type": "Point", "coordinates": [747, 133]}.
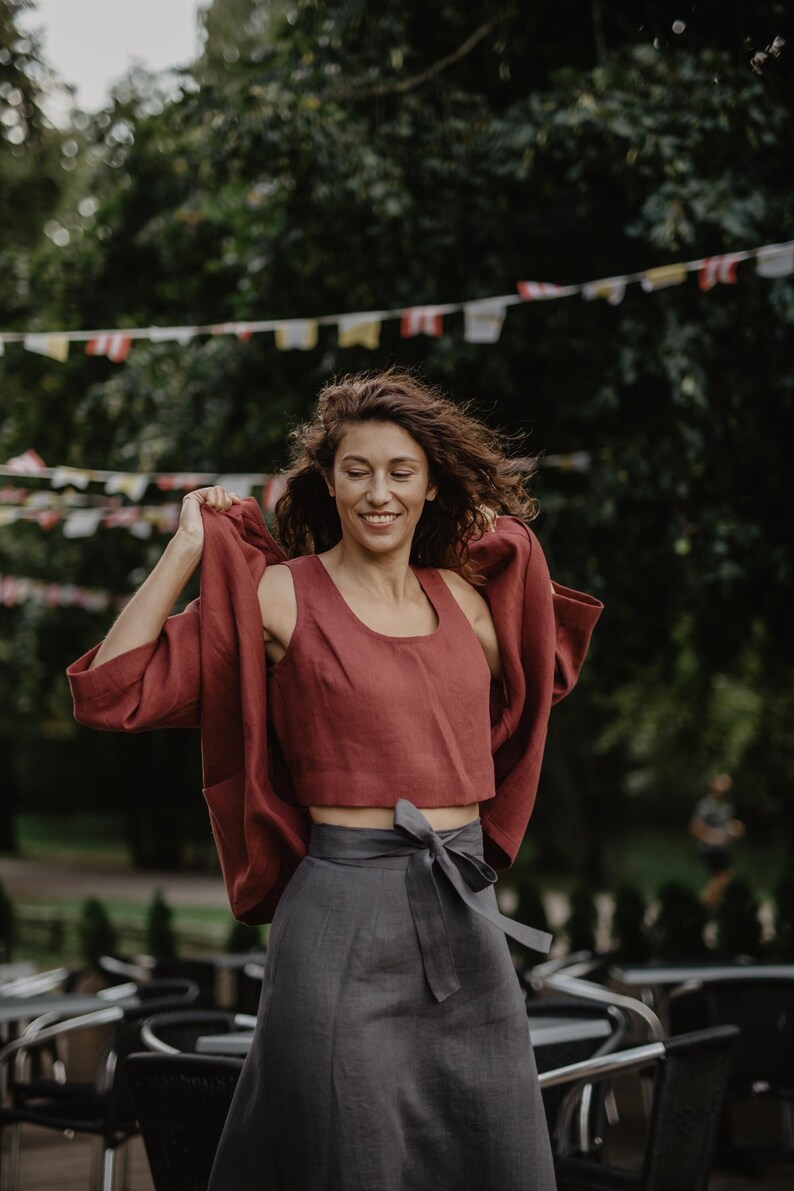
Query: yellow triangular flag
{"type": "Point", "coordinates": [359, 330]}
{"type": "Point", "coordinates": [663, 276]}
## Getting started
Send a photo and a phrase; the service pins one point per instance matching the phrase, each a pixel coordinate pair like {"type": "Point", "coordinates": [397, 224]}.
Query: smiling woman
{"type": "Point", "coordinates": [384, 666]}
{"type": "Point", "coordinates": [363, 772]}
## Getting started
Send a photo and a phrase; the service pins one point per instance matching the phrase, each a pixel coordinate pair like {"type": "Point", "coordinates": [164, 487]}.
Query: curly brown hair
{"type": "Point", "coordinates": [467, 461]}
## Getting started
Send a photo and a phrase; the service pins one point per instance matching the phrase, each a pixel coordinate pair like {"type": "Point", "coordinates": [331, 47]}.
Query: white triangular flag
{"type": "Point", "coordinates": [296, 332]}
{"type": "Point", "coordinates": [82, 523]}
{"type": "Point", "coordinates": [181, 335]}
{"type": "Point", "coordinates": [777, 260]}
{"type": "Point", "coordinates": [483, 321]}
{"type": "Point", "coordinates": [131, 484]}
{"type": "Point", "coordinates": [76, 476]}
{"type": "Point", "coordinates": [242, 485]}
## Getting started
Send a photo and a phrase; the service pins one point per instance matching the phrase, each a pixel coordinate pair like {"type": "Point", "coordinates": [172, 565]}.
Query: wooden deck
{"type": "Point", "coordinates": [52, 1162]}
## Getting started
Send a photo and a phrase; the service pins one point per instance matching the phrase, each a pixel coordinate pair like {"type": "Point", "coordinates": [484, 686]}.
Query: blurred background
{"type": "Point", "coordinates": [265, 161]}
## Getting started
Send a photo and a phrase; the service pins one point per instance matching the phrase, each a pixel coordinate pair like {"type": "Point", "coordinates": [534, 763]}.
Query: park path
{"type": "Point", "coordinates": [39, 880]}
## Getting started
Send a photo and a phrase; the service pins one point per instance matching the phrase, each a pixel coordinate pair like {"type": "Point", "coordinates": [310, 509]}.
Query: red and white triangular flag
{"type": "Point", "coordinates": [115, 346]}
{"type": "Point", "coordinates": [534, 291]}
{"type": "Point", "coordinates": [420, 320]}
{"type": "Point", "coordinates": [716, 269]}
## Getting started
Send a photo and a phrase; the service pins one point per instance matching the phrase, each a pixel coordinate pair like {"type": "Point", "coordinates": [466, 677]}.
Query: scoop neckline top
{"type": "Point", "coordinates": [365, 627]}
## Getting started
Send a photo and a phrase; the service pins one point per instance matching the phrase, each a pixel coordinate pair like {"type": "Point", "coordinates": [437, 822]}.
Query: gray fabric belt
{"type": "Point", "coordinates": [428, 851]}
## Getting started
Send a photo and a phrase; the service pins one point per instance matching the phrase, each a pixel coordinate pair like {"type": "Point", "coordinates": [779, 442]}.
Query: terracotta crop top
{"type": "Point", "coordinates": [363, 718]}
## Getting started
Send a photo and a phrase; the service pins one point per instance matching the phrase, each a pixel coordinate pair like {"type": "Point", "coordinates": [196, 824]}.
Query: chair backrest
{"type": "Point", "coordinates": [689, 1091]}
{"type": "Point", "coordinates": [200, 971]}
{"type": "Point", "coordinates": [181, 1102]}
{"type": "Point", "coordinates": [560, 1054]}
{"type": "Point", "coordinates": [183, 1027]}
{"type": "Point", "coordinates": [157, 995]}
{"type": "Point", "coordinates": [763, 1009]}
{"type": "Point", "coordinates": [249, 986]}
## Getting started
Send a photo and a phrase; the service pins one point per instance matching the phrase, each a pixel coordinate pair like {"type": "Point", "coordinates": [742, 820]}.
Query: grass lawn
{"type": "Point", "coordinates": [96, 840]}
{"type": "Point", "coordinates": [653, 857]}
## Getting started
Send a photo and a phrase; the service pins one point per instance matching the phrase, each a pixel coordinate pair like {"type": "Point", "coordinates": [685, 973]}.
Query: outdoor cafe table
{"type": "Point", "coordinates": [646, 977]}
{"type": "Point", "coordinates": [544, 1031]}
{"type": "Point", "coordinates": [16, 971]}
{"type": "Point", "coordinates": [17, 1009]}
{"type": "Point", "coordinates": [655, 984]}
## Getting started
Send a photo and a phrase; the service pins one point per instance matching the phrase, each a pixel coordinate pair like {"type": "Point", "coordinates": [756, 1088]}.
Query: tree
{"type": "Point", "coordinates": [353, 158]}
{"type": "Point", "coordinates": [31, 181]}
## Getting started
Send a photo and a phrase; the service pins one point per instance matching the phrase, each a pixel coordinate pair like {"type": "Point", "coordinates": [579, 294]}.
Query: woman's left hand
{"type": "Point", "coordinates": [490, 516]}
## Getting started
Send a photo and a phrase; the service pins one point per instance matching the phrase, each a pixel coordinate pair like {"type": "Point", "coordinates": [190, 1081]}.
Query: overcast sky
{"type": "Point", "coordinates": [91, 43]}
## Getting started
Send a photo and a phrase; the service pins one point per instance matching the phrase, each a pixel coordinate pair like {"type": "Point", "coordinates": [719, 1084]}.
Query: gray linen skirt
{"type": "Point", "coordinates": [392, 1049]}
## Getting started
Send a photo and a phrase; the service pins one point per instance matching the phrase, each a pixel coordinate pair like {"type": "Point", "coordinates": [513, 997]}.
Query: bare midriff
{"type": "Point", "coordinates": [439, 817]}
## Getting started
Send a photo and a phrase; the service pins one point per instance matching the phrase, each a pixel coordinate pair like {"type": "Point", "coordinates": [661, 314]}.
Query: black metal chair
{"type": "Point", "coordinates": [249, 986]}
{"type": "Point", "coordinates": [177, 1032]}
{"type": "Point", "coordinates": [200, 971]}
{"type": "Point", "coordinates": [100, 1107]}
{"type": "Point", "coordinates": [691, 1077]}
{"type": "Point", "coordinates": [763, 1008]}
{"type": "Point", "coordinates": [181, 1102]}
{"type": "Point", "coordinates": [584, 1114]}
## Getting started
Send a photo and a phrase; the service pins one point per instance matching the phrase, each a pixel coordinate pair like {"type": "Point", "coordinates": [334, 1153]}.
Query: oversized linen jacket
{"type": "Point", "coordinates": [207, 669]}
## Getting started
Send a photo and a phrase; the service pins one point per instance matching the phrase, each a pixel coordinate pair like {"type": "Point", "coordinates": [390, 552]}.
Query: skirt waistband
{"type": "Point", "coordinates": [414, 845]}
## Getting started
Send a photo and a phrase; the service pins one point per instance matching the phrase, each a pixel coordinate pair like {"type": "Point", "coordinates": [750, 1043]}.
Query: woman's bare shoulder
{"type": "Point", "coordinates": [465, 593]}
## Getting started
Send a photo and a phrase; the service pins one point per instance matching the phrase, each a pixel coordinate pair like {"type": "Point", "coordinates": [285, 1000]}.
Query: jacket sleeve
{"type": "Point", "coordinates": [575, 616]}
{"type": "Point", "coordinates": [156, 685]}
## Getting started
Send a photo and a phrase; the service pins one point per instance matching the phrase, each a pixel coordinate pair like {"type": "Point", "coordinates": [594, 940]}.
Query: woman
{"type": "Point", "coordinates": [392, 1048]}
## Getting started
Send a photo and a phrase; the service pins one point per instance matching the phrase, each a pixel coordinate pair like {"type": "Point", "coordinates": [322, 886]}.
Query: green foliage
{"type": "Point", "coordinates": [242, 938]}
{"type": "Point", "coordinates": [580, 928]}
{"type": "Point", "coordinates": [7, 925]}
{"type": "Point", "coordinates": [96, 933]}
{"type": "Point", "coordinates": [351, 156]}
{"type": "Point", "coordinates": [677, 930]}
{"type": "Point", "coordinates": [738, 925]}
{"type": "Point", "coordinates": [161, 938]}
{"type": "Point", "coordinates": [628, 923]}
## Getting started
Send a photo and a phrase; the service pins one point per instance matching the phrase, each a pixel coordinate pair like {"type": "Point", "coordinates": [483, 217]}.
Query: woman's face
{"type": "Point", "coordinates": [380, 483]}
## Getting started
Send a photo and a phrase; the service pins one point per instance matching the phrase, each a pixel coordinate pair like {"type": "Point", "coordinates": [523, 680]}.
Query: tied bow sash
{"type": "Point", "coordinates": [468, 875]}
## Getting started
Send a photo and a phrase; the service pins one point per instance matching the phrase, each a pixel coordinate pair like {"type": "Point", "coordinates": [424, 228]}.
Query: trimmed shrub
{"type": "Point", "coordinates": [678, 928]}
{"type": "Point", "coordinates": [629, 932]}
{"type": "Point", "coordinates": [580, 928]}
{"type": "Point", "coordinates": [242, 938]}
{"type": "Point", "coordinates": [736, 917]}
{"type": "Point", "coordinates": [96, 933]}
{"type": "Point", "coordinates": [8, 925]}
{"type": "Point", "coordinates": [161, 939]}
{"type": "Point", "coordinates": [784, 917]}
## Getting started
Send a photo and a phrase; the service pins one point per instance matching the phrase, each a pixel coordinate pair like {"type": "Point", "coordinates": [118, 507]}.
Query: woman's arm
{"type": "Point", "coordinates": [143, 617]}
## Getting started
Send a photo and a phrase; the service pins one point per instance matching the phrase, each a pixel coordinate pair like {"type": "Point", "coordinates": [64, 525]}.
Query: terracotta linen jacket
{"type": "Point", "coordinates": [207, 670]}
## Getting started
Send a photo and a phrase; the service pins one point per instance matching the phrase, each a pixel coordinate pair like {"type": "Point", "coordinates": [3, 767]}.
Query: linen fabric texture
{"type": "Point", "coordinates": [358, 1076]}
{"type": "Point", "coordinates": [207, 669]}
{"type": "Point", "coordinates": [363, 718]}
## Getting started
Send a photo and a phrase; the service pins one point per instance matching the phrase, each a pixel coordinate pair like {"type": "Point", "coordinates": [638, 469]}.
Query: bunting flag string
{"type": "Point", "coordinates": [19, 589]}
{"type": "Point", "coordinates": [82, 514]}
{"type": "Point", "coordinates": [362, 329]}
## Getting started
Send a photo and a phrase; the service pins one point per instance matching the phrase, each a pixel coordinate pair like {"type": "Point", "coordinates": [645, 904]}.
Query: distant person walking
{"type": "Point", "coordinates": [713, 824]}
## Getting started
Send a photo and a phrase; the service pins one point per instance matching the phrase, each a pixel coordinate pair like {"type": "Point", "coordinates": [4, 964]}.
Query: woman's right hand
{"type": "Point", "coordinates": [191, 526]}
